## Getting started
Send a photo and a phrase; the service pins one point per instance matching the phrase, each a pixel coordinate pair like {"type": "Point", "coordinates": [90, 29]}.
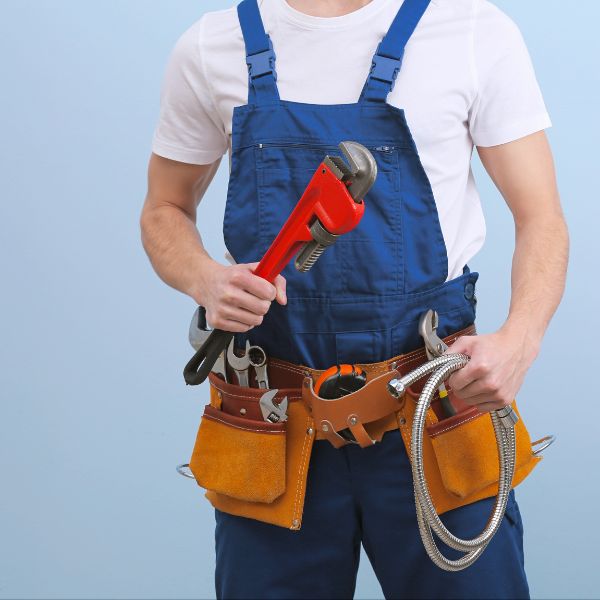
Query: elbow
{"type": "Point", "coordinates": [146, 222]}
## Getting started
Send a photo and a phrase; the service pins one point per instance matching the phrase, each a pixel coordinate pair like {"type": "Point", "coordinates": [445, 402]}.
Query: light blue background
{"type": "Point", "coordinates": [94, 413]}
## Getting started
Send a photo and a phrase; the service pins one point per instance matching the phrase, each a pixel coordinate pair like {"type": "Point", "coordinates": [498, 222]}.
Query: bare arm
{"type": "Point", "coordinates": [524, 173]}
{"type": "Point", "coordinates": [235, 299]}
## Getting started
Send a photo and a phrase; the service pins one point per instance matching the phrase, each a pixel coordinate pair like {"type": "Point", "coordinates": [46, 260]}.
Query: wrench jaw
{"type": "Point", "coordinates": [198, 335]}
{"type": "Point", "coordinates": [363, 169]}
{"type": "Point", "coordinates": [240, 364]}
{"type": "Point", "coordinates": [359, 174]}
{"type": "Point", "coordinates": [273, 412]}
{"type": "Point", "coordinates": [434, 345]}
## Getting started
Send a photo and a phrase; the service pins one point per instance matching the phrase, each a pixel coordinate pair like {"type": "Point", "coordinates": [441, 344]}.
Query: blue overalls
{"type": "Point", "coordinates": [360, 303]}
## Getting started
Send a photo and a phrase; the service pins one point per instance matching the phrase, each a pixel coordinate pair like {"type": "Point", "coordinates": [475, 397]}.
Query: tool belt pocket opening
{"type": "Point", "coordinates": [240, 458]}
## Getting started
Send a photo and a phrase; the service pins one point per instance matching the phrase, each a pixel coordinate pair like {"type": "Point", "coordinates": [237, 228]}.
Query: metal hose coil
{"type": "Point", "coordinates": [428, 520]}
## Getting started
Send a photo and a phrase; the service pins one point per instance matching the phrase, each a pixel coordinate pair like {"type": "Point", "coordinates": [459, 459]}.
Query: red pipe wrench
{"type": "Point", "coordinates": [331, 205]}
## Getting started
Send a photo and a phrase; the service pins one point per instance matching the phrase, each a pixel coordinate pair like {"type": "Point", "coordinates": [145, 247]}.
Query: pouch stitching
{"type": "Point", "coordinates": [455, 425]}
{"type": "Point", "coordinates": [300, 485]}
{"type": "Point", "coordinates": [246, 397]}
{"type": "Point", "coordinates": [273, 431]}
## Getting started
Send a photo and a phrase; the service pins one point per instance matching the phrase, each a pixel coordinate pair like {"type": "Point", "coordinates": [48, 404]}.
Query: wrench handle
{"type": "Point", "coordinates": [197, 370]}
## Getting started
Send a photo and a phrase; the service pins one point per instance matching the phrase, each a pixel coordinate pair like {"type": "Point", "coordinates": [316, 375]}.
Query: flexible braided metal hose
{"type": "Point", "coordinates": [428, 520]}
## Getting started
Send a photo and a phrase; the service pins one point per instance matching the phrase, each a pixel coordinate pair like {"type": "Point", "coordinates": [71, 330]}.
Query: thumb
{"type": "Point", "coordinates": [281, 287]}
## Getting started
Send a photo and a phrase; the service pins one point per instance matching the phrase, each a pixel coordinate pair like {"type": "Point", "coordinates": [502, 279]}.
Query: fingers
{"type": "Point", "coordinates": [234, 319]}
{"type": "Point", "coordinates": [245, 279]}
{"type": "Point", "coordinates": [281, 286]}
{"type": "Point", "coordinates": [485, 382]}
{"type": "Point", "coordinates": [461, 379]}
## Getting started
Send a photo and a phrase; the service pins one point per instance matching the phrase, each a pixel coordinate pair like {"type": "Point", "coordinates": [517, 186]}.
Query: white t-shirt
{"type": "Point", "coordinates": [466, 80]}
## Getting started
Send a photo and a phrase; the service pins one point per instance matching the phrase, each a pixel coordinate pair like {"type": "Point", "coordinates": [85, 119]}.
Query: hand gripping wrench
{"type": "Point", "coordinates": [199, 333]}
{"type": "Point", "coordinates": [240, 364]}
{"type": "Point", "coordinates": [332, 205]}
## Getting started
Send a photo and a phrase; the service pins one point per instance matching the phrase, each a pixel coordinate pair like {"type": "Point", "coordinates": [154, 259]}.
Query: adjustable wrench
{"type": "Point", "coordinates": [271, 411]}
{"type": "Point", "coordinates": [199, 333]}
{"type": "Point", "coordinates": [434, 347]}
{"type": "Point", "coordinates": [240, 364]}
{"type": "Point", "coordinates": [332, 205]}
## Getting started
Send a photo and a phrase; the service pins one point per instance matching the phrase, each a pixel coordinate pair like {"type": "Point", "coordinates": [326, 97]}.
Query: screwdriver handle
{"type": "Point", "coordinates": [198, 369]}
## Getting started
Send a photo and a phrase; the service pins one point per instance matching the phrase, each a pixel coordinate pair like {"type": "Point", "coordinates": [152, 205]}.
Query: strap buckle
{"type": "Point", "coordinates": [385, 69]}
{"type": "Point", "coordinates": [262, 63]}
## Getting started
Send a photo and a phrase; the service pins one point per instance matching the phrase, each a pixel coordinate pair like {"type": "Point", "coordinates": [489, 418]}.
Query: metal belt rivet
{"type": "Point", "coordinates": [296, 523]}
{"type": "Point", "coordinates": [243, 411]}
{"type": "Point", "coordinates": [310, 431]}
{"type": "Point", "coordinates": [325, 427]}
{"type": "Point", "coordinates": [353, 421]}
{"type": "Point", "coordinates": [402, 421]}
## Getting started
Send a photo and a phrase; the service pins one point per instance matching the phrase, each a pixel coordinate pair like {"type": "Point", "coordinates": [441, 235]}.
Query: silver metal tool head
{"type": "Point", "coordinates": [363, 169]}
{"type": "Point", "coordinates": [428, 324]}
{"type": "Point", "coordinates": [271, 411]}
{"type": "Point", "coordinates": [199, 330]}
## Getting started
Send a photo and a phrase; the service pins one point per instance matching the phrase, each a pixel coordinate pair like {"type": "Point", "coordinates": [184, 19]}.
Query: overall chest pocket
{"type": "Point", "coordinates": [366, 259]}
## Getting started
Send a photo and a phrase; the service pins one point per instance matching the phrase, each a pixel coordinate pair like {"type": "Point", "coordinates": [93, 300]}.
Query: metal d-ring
{"type": "Point", "coordinates": [185, 471]}
{"type": "Point", "coordinates": [544, 443]}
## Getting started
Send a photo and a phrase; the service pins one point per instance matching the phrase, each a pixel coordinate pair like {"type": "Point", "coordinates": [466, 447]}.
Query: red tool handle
{"type": "Point", "coordinates": [325, 198]}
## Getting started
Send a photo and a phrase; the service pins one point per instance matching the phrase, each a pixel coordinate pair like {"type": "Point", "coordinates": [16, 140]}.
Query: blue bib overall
{"type": "Point", "coordinates": [360, 303]}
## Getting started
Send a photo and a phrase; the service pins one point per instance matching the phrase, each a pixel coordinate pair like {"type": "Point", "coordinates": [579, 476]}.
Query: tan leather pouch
{"type": "Point", "coordinates": [461, 456]}
{"type": "Point", "coordinates": [240, 458]}
{"type": "Point", "coordinates": [248, 467]}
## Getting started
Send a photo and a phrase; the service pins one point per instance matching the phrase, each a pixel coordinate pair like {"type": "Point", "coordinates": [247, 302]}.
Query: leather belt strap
{"type": "Point", "coordinates": [368, 413]}
{"type": "Point", "coordinates": [284, 374]}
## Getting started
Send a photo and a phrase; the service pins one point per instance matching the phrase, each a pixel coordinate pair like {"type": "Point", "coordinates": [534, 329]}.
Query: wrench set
{"type": "Point", "coordinates": [254, 357]}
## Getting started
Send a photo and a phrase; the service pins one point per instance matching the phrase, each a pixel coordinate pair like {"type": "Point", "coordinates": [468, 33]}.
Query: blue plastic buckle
{"type": "Point", "coordinates": [262, 63]}
{"type": "Point", "coordinates": [385, 68]}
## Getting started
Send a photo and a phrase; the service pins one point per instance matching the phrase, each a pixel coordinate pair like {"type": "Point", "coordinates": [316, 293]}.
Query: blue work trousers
{"type": "Point", "coordinates": [364, 496]}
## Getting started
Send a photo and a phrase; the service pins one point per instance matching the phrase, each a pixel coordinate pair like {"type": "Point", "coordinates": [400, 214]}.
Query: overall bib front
{"type": "Point", "coordinates": [360, 303]}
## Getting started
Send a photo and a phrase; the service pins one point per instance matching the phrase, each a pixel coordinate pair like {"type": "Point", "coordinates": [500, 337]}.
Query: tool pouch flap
{"type": "Point", "coordinates": [241, 458]}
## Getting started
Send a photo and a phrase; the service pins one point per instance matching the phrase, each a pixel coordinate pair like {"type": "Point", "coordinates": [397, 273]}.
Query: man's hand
{"type": "Point", "coordinates": [236, 300]}
{"type": "Point", "coordinates": [495, 373]}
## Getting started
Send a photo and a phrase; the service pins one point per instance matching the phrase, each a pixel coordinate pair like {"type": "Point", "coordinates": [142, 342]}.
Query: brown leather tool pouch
{"type": "Point", "coordinates": [461, 456]}
{"type": "Point", "coordinates": [249, 467]}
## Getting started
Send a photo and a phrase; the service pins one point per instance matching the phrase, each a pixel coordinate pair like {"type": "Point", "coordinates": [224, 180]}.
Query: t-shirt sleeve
{"type": "Point", "coordinates": [189, 127]}
{"type": "Point", "coordinates": [508, 103]}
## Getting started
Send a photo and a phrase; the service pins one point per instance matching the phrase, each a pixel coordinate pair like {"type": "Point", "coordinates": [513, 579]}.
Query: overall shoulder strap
{"type": "Point", "coordinates": [260, 56]}
{"type": "Point", "coordinates": [388, 58]}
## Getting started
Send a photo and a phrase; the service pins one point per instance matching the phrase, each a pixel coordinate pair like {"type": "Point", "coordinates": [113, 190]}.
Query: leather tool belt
{"type": "Point", "coordinates": [256, 469]}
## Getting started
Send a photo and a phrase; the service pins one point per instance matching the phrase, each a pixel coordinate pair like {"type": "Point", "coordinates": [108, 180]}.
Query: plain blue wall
{"type": "Point", "coordinates": [94, 414]}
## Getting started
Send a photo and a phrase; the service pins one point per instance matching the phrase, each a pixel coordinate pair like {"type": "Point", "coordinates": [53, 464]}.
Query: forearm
{"type": "Point", "coordinates": [175, 249]}
{"type": "Point", "coordinates": [538, 277]}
